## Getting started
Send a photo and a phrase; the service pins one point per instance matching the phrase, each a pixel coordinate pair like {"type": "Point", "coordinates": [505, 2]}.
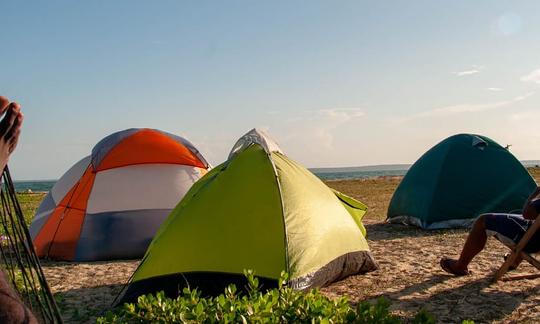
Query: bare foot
{"type": "Point", "coordinates": [451, 266]}
{"type": "Point", "coordinates": [10, 129]}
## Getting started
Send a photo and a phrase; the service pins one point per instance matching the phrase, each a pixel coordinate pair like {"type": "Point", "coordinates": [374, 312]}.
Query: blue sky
{"type": "Point", "coordinates": [344, 83]}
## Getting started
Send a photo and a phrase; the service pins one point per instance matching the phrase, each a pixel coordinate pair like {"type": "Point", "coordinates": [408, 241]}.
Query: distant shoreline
{"type": "Point", "coordinates": [32, 193]}
{"type": "Point", "coordinates": [384, 177]}
{"type": "Point", "coordinates": [328, 174]}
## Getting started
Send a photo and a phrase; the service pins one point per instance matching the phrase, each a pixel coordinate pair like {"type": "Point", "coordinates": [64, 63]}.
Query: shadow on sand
{"type": "Point", "coordinates": [478, 300]}
{"type": "Point", "coordinates": [388, 231]}
{"type": "Point", "coordinates": [84, 305]}
{"type": "Point", "coordinates": [440, 295]}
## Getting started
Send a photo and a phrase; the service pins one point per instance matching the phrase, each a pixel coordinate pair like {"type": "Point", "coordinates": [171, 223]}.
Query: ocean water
{"type": "Point", "coordinates": [531, 163]}
{"type": "Point", "coordinates": [363, 172]}
{"type": "Point", "coordinates": [350, 175]}
{"type": "Point", "coordinates": [35, 186]}
{"type": "Point", "coordinates": [378, 171]}
{"type": "Point", "coordinates": [323, 173]}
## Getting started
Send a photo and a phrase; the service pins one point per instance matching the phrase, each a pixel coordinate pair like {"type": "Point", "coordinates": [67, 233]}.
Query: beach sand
{"type": "Point", "coordinates": [409, 273]}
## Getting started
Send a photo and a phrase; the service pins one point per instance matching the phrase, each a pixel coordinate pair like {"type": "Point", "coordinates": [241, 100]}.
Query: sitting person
{"type": "Point", "coordinates": [507, 228]}
{"type": "Point", "coordinates": [12, 309]}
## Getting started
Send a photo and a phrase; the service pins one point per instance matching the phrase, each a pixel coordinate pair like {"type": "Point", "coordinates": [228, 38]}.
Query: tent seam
{"type": "Point", "coordinates": [146, 163]}
{"type": "Point", "coordinates": [74, 188]}
{"type": "Point", "coordinates": [278, 183]}
{"type": "Point", "coordinates": [92, 179]}
{"type": "Point", "coordinates": [436, 184]}
{"type": "Point", "coordinates": [98, 163]}
{"type": "Point", "coordinates": [146, 254]}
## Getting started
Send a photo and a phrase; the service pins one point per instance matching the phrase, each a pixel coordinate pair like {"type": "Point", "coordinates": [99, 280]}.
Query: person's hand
{"type": "Point", "coordinates": [532, 209]}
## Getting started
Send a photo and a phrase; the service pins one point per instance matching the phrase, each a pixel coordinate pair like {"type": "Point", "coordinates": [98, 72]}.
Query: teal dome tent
{"type": "Point", "coordinates": [458, 179]}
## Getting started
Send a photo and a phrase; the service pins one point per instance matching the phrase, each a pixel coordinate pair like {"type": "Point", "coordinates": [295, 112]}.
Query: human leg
{"type": "Point", "coordinates": [476, 241]}
{"type": "Point", "coordinates": [507, 228]}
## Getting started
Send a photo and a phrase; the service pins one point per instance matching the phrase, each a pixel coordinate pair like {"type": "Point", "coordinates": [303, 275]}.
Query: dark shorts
{"type": "Point", "coordinates": [510, 228]}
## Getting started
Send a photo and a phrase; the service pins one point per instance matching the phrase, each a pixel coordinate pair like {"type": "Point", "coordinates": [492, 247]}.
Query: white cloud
{"type": "Point", "coordinates": [525, 116]}
{"type": "Point", "coordinates": [466, 72]}
{"type": "Point", "coordinates": [273, 112]}
{"type": "Point", "coordinates": [473, 70]}
{"type": "Point", "coordinates": [467, 108]}
{"type": "Point", "coordinates": [319, 126]}
{"type": "Point", "coordinates": [534, 77]}
{"type": "Point", "coordinates": [523, 97]}
{"type": "Point", "coordinates": [345, 114]}
{"type": "Point", "coordinates": [333, 115]}
{"type": "Point", "coordinates": [494, 89]}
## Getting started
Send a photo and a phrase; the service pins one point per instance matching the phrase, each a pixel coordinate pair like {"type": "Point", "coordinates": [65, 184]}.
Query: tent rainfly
{"type": "Point", "coordinates": [458, 179]}
{"type": "Point", "coordinates": [110, 204]}
{"type": "Point", "coordinates": [262, 211]}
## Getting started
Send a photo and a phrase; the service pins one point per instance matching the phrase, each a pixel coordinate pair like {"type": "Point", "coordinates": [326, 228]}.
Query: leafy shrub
{"type": "Point", "coordinates": [281, 305]}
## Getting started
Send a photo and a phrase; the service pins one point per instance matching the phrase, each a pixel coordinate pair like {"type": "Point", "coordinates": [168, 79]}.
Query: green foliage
{"type": "Point", "coordinates": [29, 204]}
{"type": "Point", "coordinates": [281, 305]}
{"type": "Point", "coordinates": [424, 317]}
{"type": "Point", "coordinates": [376, 313]}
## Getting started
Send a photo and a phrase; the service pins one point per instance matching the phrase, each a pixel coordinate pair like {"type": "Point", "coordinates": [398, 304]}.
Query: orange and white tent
{"type": "Point", "coordinates": [110, 204]}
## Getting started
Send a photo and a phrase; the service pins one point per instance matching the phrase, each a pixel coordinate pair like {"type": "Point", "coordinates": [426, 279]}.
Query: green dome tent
{"type": "Point", "coordinates": [258, 210]}
{"type": "Point", "coordinates": [458, 179]}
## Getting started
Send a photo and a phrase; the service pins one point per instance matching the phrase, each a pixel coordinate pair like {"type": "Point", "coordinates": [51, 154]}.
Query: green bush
{"type": "Point", "coordinates": [281, 305]}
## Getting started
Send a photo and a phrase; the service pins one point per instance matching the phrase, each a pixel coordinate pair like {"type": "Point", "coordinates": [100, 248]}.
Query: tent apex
{"type": "Point", "coordinates": [255, 136]}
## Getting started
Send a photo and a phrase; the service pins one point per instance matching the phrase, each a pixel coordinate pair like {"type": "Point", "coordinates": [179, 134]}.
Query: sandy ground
{"type": "Point", "coordinates": [409, 273]}
{"type": "Point", "coordinates": [410, 277]}
{"type": "Point", "coordinates": [85, 291]}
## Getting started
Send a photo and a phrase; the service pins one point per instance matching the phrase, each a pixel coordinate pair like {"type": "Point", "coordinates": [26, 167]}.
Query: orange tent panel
{"type": "Point", "coordinates": [148, 146]}
{"type": "Point", "coordinates": [65, 241]}
{"type": "Point", "coordinates": [60, 233]}
{"type": "Point", "coordinates": [43, 240]}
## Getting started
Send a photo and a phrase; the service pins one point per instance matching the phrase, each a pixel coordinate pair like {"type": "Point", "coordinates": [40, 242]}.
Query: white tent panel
{"type": "Point", "coordinates": [136, 187]}
{"type": "Point", "coordinates": [69, 179]}
{"type": "Point", "coordinates": [255, 136]}
{"type": "Point", "coordinates": [45, 210]}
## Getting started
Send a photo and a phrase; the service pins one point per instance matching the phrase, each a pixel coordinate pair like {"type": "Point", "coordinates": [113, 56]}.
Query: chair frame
{"type": "Point", "coordinates": [517, 250]}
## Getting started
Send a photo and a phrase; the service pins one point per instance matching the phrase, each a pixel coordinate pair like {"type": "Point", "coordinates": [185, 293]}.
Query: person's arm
{"type": "Point", "coordinates": [535, 194]}
{"type": "Point", "coordinates": [530, 211]}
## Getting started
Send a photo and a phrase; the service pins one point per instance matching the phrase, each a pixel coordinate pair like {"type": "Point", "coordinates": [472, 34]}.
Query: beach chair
{"type": "Point", "coordinates": [517, 250]}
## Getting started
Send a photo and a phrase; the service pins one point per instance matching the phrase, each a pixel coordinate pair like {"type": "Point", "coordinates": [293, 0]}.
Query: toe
{"type": "Point", "coordinates": [14, 129]}
{"type": "Point", "coordinates": [9, 119]}
{"type": "Point", "coordinates": [14, 140]}
{"type": "Point", "coordinates": [4, 103]}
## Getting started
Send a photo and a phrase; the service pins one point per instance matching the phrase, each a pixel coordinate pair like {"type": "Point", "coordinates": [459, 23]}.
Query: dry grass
{"type": "Point", "coordinates": [535, 172]}
{"type": "Point", "coordinates": [409, 273]}
{"type": "Point", "coordinates": [375, 193]}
